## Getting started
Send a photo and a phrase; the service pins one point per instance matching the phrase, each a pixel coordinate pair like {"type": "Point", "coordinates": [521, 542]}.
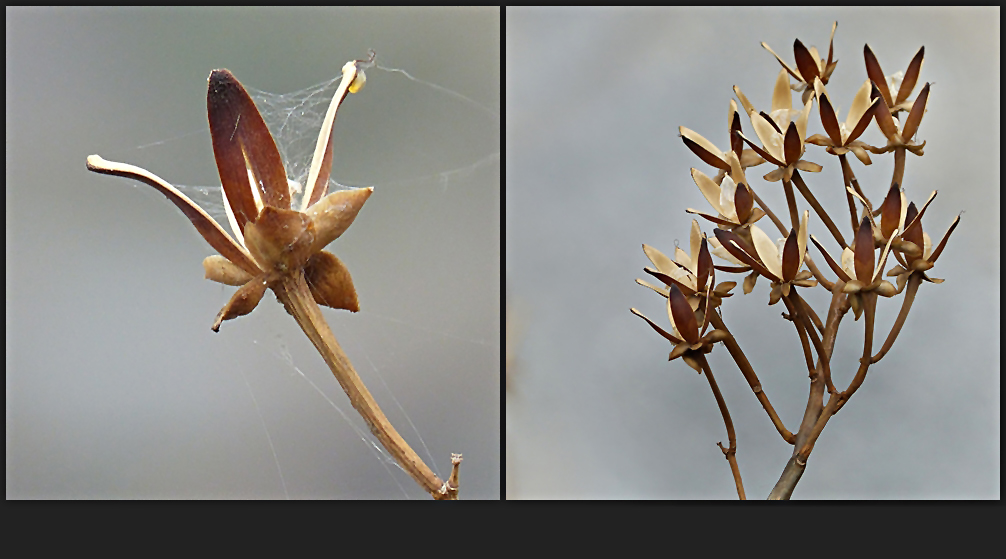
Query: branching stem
{"type": "Point", "coordinates": [913, 287]}
{"type": "Point", "coordinates": [731, 451]}
{"type": "Point", "coordinates": [749, 374]}
{"type": "Point", "coordinates": [812, 200]}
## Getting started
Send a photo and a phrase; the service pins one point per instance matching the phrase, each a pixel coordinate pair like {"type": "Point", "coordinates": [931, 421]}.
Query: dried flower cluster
{"type": "Point", "coordinates": [891, 231]}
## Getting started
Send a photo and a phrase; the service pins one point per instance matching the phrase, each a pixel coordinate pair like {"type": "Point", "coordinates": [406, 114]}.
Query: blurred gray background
{"type": "Point", "coordinates": [116, 387]}
{"type": "Point", "coordinates": [595, 169]}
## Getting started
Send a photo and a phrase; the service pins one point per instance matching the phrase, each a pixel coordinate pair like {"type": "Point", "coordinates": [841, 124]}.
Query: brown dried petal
{"type": "Point", "coordinates": [915, 117]}
{"type": "Point", "coordinates": [885, 289]}
{"type": "Point", "coordinates": [741, 251]}
{"type": "Point", "coordinates": [911, 76]}
{"type": "Point", "coordinates": [743, 202]}
{"type": "Point", "coordinates": [828, 119]}
{"type": "Point", "coordinates": [863, 247]}
{"type": "Point", "coordinates": [206, 225]}
{"type": "Point", "coordinates": [863, 122]}
{"type": "Point", "coordinates": [330, 282]}
{"type": "Point", "coordinates": [671, 338]}
{"type": "Point", "coordinates": [242, 143]}
{"type": "Point", "coordinates": [749, 282]}
{"type": "Point", "coordinates": [890, 212]}
{"type": "Point", "coordinates": [703, 148]}
{"type": "Point", "coordinates": [790, 257]}
{"type": "Point", "coordinates": [757, 149]}
{"type": "Point", "coordinates": [805, 62]}
{"type": "Point", "coordinates": [333, 214]}
{"type": "Point", "coordinates": [943, 243]}
{"type": "Point", "coordinates": [704, 267]}
{"type": "Point", "coordinates": [913, 232]}
{"type": "Point", "coordinates": [793, 145]}
{"type": "Point", "coordinates": [683, 316]}
{"type": "Point", "coordinates": [831, 263]}
{"type": "Point", "coordinates": [884, 119]}
{"type": "Point", "coordinates": [243, 302]}
{"type": "Point", "coordinates": [875, 74]}
{"type": "Point", "coordinates": [221, 270]}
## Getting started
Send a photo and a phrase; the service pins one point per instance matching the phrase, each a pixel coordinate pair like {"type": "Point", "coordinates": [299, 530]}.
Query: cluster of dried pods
{"type": "Point", "coordinates": [687, 280]}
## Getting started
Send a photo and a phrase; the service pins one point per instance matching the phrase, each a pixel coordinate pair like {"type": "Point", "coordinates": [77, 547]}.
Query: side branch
{"type": "Point", "coordinates": [731, 452]}
{"type": "Point", "coordinates": [812, 200]}
{"type": "Point", "coordinates": [913, 287]}
{"type": "Point", "coordinates": [749, 374]}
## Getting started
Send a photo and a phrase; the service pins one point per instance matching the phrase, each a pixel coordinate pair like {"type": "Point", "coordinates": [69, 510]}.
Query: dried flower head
{"type": "Point", "coordinates": [925, 258]}
{"type": "Point", "coordinates": [894, 89]}
{"type": "Point", "coordinates": [809, 64]}
{"type": "Point", "coordinates": [782, 138]}
{"type": "Point", "coordinates": [721, 159]}
{"type": "Point", "coordinates": [733, 202]}
{"type": "Point", "coordinates": [270, 240]}
{"type": "Point", "coordinates": [842, 136]}
{"type": "Point", "coordinates": [780, 264]}
{"type": "Point", "coordinates": [902, 137]}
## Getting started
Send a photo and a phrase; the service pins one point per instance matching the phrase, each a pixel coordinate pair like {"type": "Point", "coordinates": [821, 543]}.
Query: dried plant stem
{"type": "Point", "coordinates": [749, 374]}
{"type": "Point", "coordinates": [850, 180]}
{"type": "Point", "coordinates": [295, 295]}
{"type": "Point", "coordinates": [797, 318]}
{"type": "Point", "coordinates": [838, 400]}
{"type": "Point", "coordinates": [820, 279]}
{"type": "Point", "coordinates": [768, 212]}
{"type": "Point", "coordinates": [794, 468]}
{"type": "Point", "coordinates": [870, 313]}
{"type": "Point", "coordinates": [913, 287]}
{"type": "Point", "coordinates": [812, 200]}
{"type": "Point", "coordinates": [800, 308]}
{"type": "Point", "coordinates": [731, 451]}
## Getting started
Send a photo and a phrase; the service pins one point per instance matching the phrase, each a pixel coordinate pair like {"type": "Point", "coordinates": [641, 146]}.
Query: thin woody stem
{"type": "Point", "coordinates": [820, 279]}
{"type": "Point", "coordinates": [838, 400]}
{"type": "Point", "coordinates": [850, 180]}
{"type": "Point", "coordinates": [749, 374]}
{"type": "Point", "coordinates": [295, 295]}
{"type": "Point", "coordinates": [731, 452]}
{"type": "Point", "coordinates": [795, 466]}
{"type": "Point", "coordinates": [913, 287]}
{"type": "Point", "coordinates": [768, 212]}
{"type": "Point", "coordinates": [870, 312]}
{"type": "Point", "coordinates": [824, 360]}
{"type": "Point", "coordinates": [797, 318]}
{"type": "Point", "coordinates": [812, 200]}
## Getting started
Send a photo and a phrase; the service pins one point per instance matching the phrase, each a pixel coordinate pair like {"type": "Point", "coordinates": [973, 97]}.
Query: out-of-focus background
{"type": "Point", "coordinates": [595, 169]}
{"type": "Point", "coordinates": [116, 387]}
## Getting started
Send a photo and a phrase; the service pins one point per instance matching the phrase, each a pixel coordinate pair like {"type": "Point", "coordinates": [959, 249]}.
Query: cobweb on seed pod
{"type": "Point", "coordinates": [432, 155]}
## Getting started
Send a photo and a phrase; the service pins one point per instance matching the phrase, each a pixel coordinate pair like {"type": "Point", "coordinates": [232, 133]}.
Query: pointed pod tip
{"type": "Point", "coordinates": [221, 76]}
